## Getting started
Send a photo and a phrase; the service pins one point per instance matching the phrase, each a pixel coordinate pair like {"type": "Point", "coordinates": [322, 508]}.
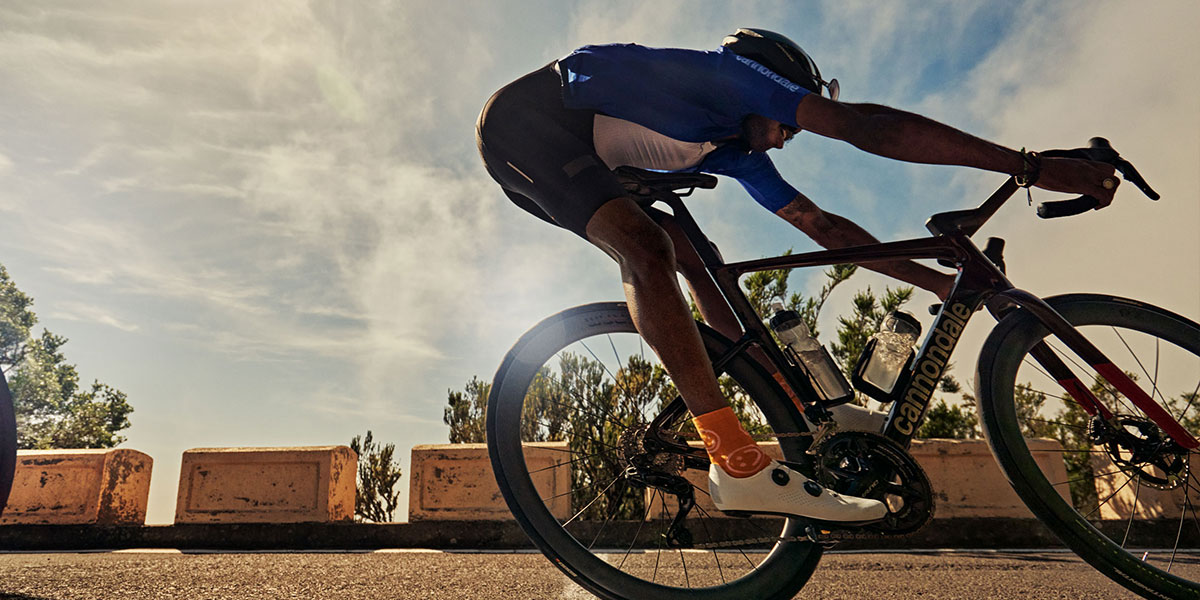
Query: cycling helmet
{"type": "Point", "coordinates": [778, 53]}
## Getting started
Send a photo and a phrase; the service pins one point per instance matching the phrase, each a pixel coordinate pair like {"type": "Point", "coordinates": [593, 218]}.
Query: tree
{"type": "Point", "coordinates": [764, 287]}
{"type": "Point", "coordinates": [954, 422]}
{"type": "Point", "coordinates": [465, 412]}
{"type": "Point", "coordinates": [16, 320]}
{"type": "Point", "coordinates": [52, 409]}
{"type": "Point", "coordinates": [867, 314]}
{"type": "Point", "coordinates": [376, 496]}
{"type": "Point", "coordinates": [1187, 408]}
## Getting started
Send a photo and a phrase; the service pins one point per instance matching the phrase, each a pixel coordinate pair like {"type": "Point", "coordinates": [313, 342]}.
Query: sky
{"type": "Point", "coordinates": [267, 223]}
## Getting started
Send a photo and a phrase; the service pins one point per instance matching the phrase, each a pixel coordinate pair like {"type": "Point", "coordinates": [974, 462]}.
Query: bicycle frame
{"type": "Point", "coordinates": [979, 282]}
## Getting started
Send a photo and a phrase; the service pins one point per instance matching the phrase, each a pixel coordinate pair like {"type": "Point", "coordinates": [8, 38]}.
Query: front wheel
{"type": "Point", "coordinates": [1119, 492]}
{"type": "Point", "coordinates": [569, 416]}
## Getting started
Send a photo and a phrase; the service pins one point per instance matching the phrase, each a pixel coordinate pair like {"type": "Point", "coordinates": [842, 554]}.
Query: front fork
{"type": "Point", "coordinates": [1080, 345]}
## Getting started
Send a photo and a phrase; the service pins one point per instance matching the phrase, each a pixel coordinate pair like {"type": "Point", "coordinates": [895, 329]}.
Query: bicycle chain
{"type": "Point", "coordinates": [826, 539]}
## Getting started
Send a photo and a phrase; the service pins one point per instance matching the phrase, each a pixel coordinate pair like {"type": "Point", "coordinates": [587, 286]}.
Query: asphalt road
{"type": "Point", "coordinates": [437, 575]}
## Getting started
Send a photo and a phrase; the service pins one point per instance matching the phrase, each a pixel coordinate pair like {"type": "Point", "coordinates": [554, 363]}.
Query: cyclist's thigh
{"type": "Point", "coordinates": [690, 263]}
{"type": "Point", "coordinates": [624, 230]}
{"type": "Point", "coordinates": [541, 151]}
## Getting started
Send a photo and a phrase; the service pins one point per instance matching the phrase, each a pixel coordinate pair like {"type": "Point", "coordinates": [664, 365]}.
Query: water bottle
{"type": "Point", "coordinates": [808, 354]}
{"type": "Point", "coordinates": [887, 355]}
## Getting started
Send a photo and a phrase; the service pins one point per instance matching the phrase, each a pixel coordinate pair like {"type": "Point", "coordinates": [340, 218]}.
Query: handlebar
{"type": "Point", "coordinates": [1098, 150]}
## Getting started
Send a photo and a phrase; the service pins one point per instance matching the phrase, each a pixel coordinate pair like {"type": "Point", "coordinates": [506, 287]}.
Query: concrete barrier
{"type": "Point", "coordinates": [966, 481]}
{"type": "Point", "coordinates": [1121, 494]}
{"type": "Point", "coordinates": [80, 487]}
{"type": "Point", "coordinates": [455, 481]}
{"type": "Point", "coordinates": [267, 485]}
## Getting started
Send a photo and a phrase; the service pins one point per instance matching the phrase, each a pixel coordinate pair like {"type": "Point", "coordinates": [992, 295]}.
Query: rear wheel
{"type": "Point", "coordinates": [1119, 493]}
{"type": "Point", "coordinates": [569, 417]}
{"type": "Point", "coordinates": [8, 443]}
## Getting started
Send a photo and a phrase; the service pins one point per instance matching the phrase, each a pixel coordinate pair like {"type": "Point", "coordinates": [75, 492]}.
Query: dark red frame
{"type": "Point", "coordinates": [979, 282]}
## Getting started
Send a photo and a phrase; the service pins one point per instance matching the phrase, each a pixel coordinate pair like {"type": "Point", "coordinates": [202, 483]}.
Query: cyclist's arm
{"type": "Point", "coordinates": [901, 135]}
{"type": "Point", "coordinates": [834, 231]}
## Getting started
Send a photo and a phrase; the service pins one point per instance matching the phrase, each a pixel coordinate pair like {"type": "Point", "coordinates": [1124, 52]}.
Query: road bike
{"type": "Point", "coordinates": [1086, 401]}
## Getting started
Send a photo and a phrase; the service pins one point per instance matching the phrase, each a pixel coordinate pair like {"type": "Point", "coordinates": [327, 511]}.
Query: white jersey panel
{"type": "Point", "coordinates": [623, 143]}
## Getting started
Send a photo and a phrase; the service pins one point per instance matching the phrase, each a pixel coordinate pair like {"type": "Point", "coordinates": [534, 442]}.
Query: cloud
{"type": "Point", "coordinates": [258, 169]}
{"type": "Point", "coordinates": [72, 311]}
{"type": "Point", "coordinates": [1131, 75]}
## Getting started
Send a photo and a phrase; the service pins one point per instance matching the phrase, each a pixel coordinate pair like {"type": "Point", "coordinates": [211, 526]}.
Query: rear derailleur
{"type": "Point", "coordinates": [656, 459]}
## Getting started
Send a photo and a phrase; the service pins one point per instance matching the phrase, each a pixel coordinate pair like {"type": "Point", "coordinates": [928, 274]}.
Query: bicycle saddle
{"type": "Point", "coordinates": [654, 181]}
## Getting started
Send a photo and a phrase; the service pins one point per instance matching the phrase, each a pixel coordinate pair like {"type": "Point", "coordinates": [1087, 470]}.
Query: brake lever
{"type": "Point", "coordinates": [1098, 150]}
{"type": "Point", "coordinates": [1131, 175]}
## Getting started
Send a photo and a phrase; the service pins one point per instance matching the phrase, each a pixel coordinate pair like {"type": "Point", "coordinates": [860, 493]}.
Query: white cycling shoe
{"type": "Point", "coordinates": [780, 490]}
{"type": "Point", "coordinates": [852, 417]}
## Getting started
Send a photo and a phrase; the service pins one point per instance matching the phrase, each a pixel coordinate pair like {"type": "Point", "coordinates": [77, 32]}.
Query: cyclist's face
{"type": "Point", "coordinates": [762, 134]}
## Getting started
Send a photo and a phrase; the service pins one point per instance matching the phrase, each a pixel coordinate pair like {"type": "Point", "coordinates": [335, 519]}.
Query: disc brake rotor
{"type": "Point", "coordinates": [1138, 446]}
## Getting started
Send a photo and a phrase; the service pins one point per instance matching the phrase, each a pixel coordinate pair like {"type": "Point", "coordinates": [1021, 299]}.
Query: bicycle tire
{"type": "Point", "coordinates": [1128, 534]}
{"type": "Point", "coordinates": [575, 546]}
{"type": "Point", "coordinates": [8, 443]}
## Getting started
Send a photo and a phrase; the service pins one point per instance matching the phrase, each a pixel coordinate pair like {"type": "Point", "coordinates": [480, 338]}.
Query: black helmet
{"type": "Point", "coordinates": [778, 53]}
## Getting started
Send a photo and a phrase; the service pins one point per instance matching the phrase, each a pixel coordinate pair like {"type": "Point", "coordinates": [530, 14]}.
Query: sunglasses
{"type": "Point", "coordinates": [830, 86]}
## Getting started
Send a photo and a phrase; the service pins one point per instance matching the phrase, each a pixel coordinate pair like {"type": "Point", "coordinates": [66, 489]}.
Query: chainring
{"type": "Point", "coordinates": [869, 465]}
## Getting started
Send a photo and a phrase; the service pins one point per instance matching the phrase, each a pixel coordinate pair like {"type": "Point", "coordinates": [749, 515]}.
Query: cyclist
{"type": "Point", "coordinates": [552, 138]}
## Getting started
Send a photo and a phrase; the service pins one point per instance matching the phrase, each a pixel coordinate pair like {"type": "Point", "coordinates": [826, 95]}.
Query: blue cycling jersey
{"type": "Point", "coordinates": [689, 95]}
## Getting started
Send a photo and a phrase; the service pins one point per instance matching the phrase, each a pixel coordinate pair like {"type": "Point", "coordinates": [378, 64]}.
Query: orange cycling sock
{"type": "Point", "coordinates": [729, 445]}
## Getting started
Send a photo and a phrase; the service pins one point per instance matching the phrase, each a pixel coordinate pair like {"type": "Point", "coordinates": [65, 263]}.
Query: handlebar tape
{"type": "Point", "coordinates": [1066, 208]}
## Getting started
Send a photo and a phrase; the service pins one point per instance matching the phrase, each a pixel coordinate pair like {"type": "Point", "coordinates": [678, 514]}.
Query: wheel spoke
{"type": "Point", "coordinates": [1117, 396]}
{"type": "Point", "coordinates": [1058, 423]}
{"type": "Point", "coordinates": [1178, 534]}
{"type": "Point", "coordinates": [1153, 378]}
{"type": "Point", "coordinates": [605, 415]}
{"type": "Point", "coordinates": [561, 465]}
{"type": "Point", "coordinates": [661, 533]}
{"type": "Point", "coordinates": [595, 385]}
{"type": "Point", "coordinates": [1137, 489]}
{"type": "Point", "coordinates": [616, 380]}
{"type": "Point", "coordinates": [1130, 481]}
{"type": "Point", "coordinates": [612, 510]}
{"type": "Point", "coordinates": [589, 504]}
{"type": "Point", "coordinates": [636, 534]}
{"type": "Point", "coordinates": [1187, 500]}
{"type": "Point", "coordinates": [1191, 400]}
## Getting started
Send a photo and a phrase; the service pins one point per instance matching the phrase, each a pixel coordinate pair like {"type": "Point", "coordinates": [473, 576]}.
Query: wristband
{"type": "Point", "coordinates": [1031, 169]}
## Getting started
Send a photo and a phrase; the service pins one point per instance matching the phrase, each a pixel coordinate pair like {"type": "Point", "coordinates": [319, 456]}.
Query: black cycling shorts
{"type": "Point", "coordinates": [542, 153]}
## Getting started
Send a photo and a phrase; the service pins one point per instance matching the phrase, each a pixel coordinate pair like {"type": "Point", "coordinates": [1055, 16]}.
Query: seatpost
{"type": "Point", "coordinates": [691, 230]}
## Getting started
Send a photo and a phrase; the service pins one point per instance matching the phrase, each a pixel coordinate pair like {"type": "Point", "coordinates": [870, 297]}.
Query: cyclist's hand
{"type": "Point", "coordinates": [1075, 176]}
